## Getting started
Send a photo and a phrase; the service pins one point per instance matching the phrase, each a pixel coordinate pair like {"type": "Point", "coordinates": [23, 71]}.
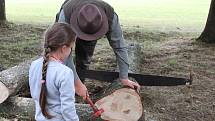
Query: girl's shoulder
{"type": "Point", "coordinates": [37, 62]}
{"type": "Point", "coordinates": [61, 68]}
{"type": "Point", "coordinates": [66, 69]}
{"type": "Point", "coordinates": [53, 65]}
{"type": "Point", "coordinates": [61, 71]}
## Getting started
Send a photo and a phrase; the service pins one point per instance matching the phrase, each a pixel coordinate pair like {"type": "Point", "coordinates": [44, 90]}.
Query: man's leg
{"type": "Point", "coordinates": [83, 54]}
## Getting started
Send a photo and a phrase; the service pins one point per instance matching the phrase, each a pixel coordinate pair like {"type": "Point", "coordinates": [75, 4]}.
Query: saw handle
{"type": "Point", "coordinates": [97, 112]}
{"type": "Point", "coordinates": [89, 101]}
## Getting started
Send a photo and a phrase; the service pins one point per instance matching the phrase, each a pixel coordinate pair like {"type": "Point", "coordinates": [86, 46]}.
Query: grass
{"type": "Point", "coordinates": [18, 43]}
{"type": "Point", "coordinates": [156, 14]}
{"type": "Point", "coordinates": [32, 11]}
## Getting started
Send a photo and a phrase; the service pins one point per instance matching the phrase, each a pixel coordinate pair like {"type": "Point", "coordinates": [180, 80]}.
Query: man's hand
{"type": "Point", "coordinates": [131, 84]}
{"type": "Point", "coordinates": [81, 89]}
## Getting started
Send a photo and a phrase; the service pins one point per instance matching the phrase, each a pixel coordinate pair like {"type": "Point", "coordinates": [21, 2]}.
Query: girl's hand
{"type": "Point", "coordinates": [81, 89]}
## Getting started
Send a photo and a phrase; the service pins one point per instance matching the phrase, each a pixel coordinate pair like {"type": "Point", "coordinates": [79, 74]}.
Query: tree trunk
{"type": "Point", "coordinates": [2, 11]}
{"type": "Point", "coordinates": [24, 109]}
{"type": "Point", "coordinates": [15, 79]}
{"type": "Point", "coordinates": [208, 35]}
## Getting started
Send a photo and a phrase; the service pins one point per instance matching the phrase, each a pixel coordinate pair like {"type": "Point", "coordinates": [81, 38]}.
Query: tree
{"type": "Point", "coordinates": [2, 10]}
{"type": "Point", "coordinates": [208, 35]}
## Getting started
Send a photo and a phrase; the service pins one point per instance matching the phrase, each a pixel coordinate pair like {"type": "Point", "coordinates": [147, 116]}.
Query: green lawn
{"type": "Point", "coordinates": [156, 14]}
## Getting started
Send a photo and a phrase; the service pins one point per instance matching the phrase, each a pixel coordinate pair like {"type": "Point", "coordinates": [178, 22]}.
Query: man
{"type": "Point", "coordinates": [91, 20]}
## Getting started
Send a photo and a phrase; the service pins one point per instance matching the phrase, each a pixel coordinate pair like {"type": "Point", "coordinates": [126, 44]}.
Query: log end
{"type": "Point", "coordinates": [123, 104]}
{"type": "Point", "coordinates": [4, 92]}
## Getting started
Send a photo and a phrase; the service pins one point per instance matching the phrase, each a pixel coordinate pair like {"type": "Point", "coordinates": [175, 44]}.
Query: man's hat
{"type": "Point", "coordinates": [89, 22]}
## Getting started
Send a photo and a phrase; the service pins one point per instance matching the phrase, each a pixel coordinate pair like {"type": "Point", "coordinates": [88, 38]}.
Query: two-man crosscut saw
{"type": "Point", "coordinates": [144, 80]}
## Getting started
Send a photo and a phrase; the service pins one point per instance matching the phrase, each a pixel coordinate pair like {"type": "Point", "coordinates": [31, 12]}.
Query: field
{"type": "Point", "coordinates": [160, 35]}
{"type": "Point", "coordinates": [151, 14]}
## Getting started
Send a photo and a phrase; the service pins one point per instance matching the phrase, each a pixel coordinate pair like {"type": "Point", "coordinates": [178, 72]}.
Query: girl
{"type": "Point", "coordinates": [52, 83]}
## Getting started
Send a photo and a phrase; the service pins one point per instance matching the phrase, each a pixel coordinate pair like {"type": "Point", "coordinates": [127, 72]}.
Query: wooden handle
{"type": "Point", "coordinates": [89, 101]}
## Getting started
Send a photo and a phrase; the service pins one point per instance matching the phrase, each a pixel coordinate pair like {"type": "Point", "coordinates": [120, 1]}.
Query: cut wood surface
{"type": "Point", "coordinates": [119, 101]}
{"type": "Point", "coordinates": [4, 92]}
{"type": "Point", "coordinates": [122, 105]}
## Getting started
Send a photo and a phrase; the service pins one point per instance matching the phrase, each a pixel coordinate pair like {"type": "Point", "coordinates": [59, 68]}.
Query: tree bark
{"type": "Point", "coordinates": [208, 35]}
{"type": "Point", "coordinates": [24, 109]}
{"type": "Point", "coordinates": [2, 11]}
{"type": "Point", "coordinates": [15, 79]}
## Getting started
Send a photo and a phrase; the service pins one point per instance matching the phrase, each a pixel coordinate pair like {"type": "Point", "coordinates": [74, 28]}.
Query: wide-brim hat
{"type": "Point", "coordinates": [89, 22]}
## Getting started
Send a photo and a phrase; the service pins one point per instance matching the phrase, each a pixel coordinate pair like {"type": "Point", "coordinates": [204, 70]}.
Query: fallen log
{"type": "Point", "coordinates": [121, 104]}
{"type": "Point", "coordinates": [14, 79]}
{"type": "Point", "coordinates": [24, 108]}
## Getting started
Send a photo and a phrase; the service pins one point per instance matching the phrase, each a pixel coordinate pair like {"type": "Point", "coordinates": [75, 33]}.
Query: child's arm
{"type": "Point", "coordinates": [81, 89]}
{"type": "Point", "coordinates": [67, 97]}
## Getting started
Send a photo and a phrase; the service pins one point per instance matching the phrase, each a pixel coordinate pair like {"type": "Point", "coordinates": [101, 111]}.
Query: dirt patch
{"type": "Point", "coordinates": [173, 58]}
{"type": "Point", "coordinates": [170, 54]}
{"type": "Point", "coordinates": [158, 53]}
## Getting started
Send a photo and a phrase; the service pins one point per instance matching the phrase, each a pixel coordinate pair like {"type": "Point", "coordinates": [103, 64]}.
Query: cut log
{"type": "Point", "coordinates": [122, 105]}
{"type": "Point", "coordinates": [4, 92]}
{"type": "Point", "coordinates": [127, 109]}
{"type": "Point", "coordinates": [125, 105]}
{"type": "Point", "coordinates": [24, 108]}
{"type": "Point", "coordinates": [119, 103]}
{"type": "Point", "coordinates": [14, 79]}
